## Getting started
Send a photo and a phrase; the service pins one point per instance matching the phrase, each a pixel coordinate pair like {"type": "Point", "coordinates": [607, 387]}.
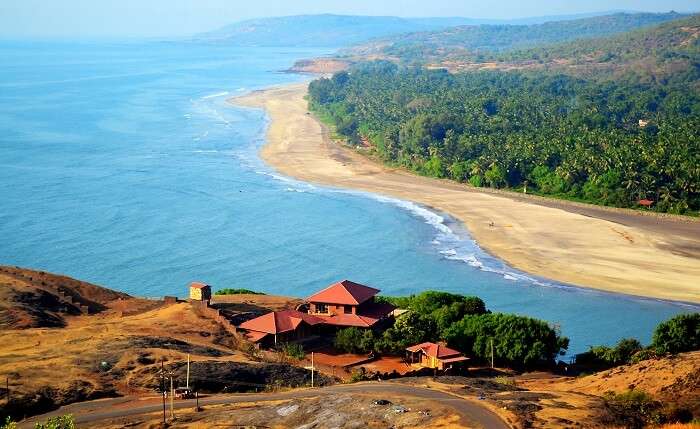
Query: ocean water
{"type": "Point", "coordinates": [122, 164]}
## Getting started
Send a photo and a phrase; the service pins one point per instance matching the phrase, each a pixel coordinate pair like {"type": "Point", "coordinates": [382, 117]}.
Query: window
{"type": "Point", "coordinates": [321, 308]}
{"type": "Point", "coordinates": [348, 309]}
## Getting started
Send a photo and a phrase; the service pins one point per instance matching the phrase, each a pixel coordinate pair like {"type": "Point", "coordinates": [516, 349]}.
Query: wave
{"type": "Point", "coordinates": [218, 94]}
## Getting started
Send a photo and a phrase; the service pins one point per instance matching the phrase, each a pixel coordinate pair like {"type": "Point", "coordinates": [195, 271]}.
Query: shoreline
{"type": "Point", "coordinates": [575, 244]}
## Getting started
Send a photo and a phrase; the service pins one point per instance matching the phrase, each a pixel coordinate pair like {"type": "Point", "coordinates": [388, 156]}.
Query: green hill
{"type": "Point", "coordinates": [610, 121]}
{"type": "Point", "coordinates": [475, 41]}
{"type": "Point", "coordinates": [329, 30]}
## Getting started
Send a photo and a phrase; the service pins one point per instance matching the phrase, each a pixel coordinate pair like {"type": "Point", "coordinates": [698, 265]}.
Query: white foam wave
{"type": "Point", "coordinates": [218, 94]}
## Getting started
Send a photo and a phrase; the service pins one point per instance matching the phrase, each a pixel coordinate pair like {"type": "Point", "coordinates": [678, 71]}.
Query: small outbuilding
{"type": "Point", "coordinates": [200, 291]}
{"type": "Point", "coordinates": [435, 356]}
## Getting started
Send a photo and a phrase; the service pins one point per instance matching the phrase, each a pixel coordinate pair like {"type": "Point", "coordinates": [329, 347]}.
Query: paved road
{"type": "Point", "coordinates": [89, 412]}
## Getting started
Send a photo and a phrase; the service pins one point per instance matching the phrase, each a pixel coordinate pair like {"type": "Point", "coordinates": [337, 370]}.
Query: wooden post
{"type": "Point", "coordinates": [188, 371]}
{"type": "Point", "coordinates": [162, 388]}
{"type": "Point", "coordinates": [172, 398]}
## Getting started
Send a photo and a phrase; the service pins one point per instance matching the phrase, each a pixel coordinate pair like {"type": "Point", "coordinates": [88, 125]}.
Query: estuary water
{"type": "Point", "coordinates": [122, 164]}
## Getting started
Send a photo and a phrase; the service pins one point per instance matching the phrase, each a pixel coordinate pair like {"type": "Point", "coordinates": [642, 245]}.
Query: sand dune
{"type": "Point", "coordinates": [592, 247]}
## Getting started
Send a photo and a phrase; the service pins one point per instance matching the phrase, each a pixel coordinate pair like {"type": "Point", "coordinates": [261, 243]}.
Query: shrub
{"type": "Point", "coordinates": [633, 409]}
{"type": "Point", "coordinates": [230, 291]}
{"type": "Point", "coordinates": [293, 350]}
{"type": "Point", "coordinates": [518, 341]}
{"type": "Point", "coordinates": [605, 356]}
{"type": "Point", "coordinates": [409, 329]}
{"type": "Point", "coordinates": [642, 355]}
{"type": "Point", "coordinates": [354, 340]}
{"type": "Point", "coordinates": [9, 424]}
{"type": "Point", "coordinates": [677, 335]}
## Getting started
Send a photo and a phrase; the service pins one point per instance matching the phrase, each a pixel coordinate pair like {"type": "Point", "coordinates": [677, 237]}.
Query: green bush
{"type": "Point", "coordinates": [230, 291]}
{"type": "Point", "coordinates": [677, 335]}
{"type": "Point", "coordinates": [643, 355]}
{"type": "Point", "coordinates": [354, 340]}
{"type": "Point", "coordinates": [293, 350]}
{"type": "Point", "coordinates": [9, 424]}
{"type": "Point", "coordinates": [409, 329]}
{"type": "Point", "coordinates": [518, 341]}
{"type": "Point", "coordinates": [604, 356]}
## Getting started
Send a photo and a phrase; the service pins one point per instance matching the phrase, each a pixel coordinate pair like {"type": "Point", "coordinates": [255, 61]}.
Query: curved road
{"type": "Point", "coordinates": [89, 412]}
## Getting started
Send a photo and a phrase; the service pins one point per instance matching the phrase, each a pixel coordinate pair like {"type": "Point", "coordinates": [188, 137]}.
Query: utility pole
{"type": "Point", "coordinates": [162, 388]}
{"type": "Point", "coordinates": [172, 398]}
{"type": "Point", "coordinates": [491, 353]}
{"type": "Point", "coordinates": [188, 372]}
{"type": "Point", "coordinates": [312, 369]}
{"type": "Point", "coordinates": [7, 389]}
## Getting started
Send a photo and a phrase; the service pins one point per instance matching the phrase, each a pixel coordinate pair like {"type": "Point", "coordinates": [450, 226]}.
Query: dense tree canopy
{"type": "Point", "coordinates": [679, 334]}
{"type": "Point", "coordinates": [518, 341]}
{"type": "Point", "coordinates": [551, 134]}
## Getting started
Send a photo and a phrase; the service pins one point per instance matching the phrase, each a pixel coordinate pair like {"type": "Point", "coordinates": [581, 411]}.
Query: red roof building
{"type": "Point", "coordinates": [340, 305]}
{"type": "Point", "coordinates": [435, 356]}
{"type": "Point", "coordinates": [645, 203]}
{"type": "Point", "coordinates": [347, 304]}
{"type": "Point", "coordinates": [287, 325]}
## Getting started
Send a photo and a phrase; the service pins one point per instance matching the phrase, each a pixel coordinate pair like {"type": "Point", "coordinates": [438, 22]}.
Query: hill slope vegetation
{"type": "Point", "coordinates": [479, 41]}
{"type": "Point", "coordinates": [615, 135]}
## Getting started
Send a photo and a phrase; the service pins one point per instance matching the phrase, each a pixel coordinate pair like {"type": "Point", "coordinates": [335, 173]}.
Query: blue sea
{"type": "Point", "coordinates": [123, 164]}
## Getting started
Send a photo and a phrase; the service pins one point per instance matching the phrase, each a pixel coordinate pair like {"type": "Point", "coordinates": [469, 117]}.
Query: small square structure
{"type": "Point", "coordinates": [200, 291]}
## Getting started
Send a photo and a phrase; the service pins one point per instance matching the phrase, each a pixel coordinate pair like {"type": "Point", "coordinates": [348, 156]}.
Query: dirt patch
{"type": "Point", "coordinates": [322, 411]}
{"type": "Point", "coordinates": [32, 299]}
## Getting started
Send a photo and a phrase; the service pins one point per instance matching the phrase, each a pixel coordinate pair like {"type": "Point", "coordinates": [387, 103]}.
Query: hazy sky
{"type": "Point", "coordinates": [138, 18]}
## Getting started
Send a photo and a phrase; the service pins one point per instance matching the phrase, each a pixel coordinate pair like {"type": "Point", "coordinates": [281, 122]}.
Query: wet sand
{"type": "Point", "coordinates": [588, 246]}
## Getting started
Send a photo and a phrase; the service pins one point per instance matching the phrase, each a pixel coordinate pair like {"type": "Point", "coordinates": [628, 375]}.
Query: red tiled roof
{"type": "Point", "coordinates": [345, 293]}
{"type": "Point", "coordinates": [198, 285]}
{"type": "Point", "coordinates": [368, 316]}
{"type": "Point", "coordinates": [645, 202]}
{"type": "Point", "coordinates": [349, 320]}
{"type": "Point", "coordinates": [256, 336]}
{"type": "Point", "coordinates": [455, 359]}
{"type": "Point", "coordinates": [277, 322]}
{"type": "Point", "coordinates": [434, 350]}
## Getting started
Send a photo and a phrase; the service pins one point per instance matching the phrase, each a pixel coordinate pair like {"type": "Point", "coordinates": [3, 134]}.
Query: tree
{"type": "Point", "coordinates": [518, 341]}
{"type": "Point", "coordinates": [495, 176]}
{"type": "Point", "coordinates": [349, 340]}
{"type": "Point", "coordinates": [678, 334]}
{"type": "Point", "coordinates": [409, 329]}
{"type": "Point", "coordinates": [604, 356]}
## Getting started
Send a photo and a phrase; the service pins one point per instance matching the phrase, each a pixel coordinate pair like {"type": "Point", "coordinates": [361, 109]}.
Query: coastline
{"type": "Point", "coordinates": [583, 246]}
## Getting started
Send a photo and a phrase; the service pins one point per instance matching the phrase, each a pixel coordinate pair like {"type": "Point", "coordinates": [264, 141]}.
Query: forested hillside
{"type": "Point", "coordinates": [612, 139]}
{"type": "Point", "coordinates": [477, 42]}
{"type": "Point", "coordinates": [323, 30]}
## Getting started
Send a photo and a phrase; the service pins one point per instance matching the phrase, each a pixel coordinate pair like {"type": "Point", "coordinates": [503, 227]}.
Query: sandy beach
{"type": "Point", "coordinates": [587, 246]}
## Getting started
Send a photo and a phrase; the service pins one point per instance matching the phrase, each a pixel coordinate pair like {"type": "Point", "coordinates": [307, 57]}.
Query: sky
{"type": "Point", "coordinates": [161, 18]}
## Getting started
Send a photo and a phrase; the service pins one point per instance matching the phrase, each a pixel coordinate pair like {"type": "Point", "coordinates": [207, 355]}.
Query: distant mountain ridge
{"type": "Point", "coordinates": [471, 40]}
{"type": "Point", "coordinates": [344, 30]}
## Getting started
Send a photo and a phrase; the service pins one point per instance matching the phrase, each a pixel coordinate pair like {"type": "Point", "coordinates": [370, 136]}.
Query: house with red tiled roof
{"type": "Point", "coordinates": [341, 305]}
{"type": "Point", "coordinates": [280, 327]}
{"type": "Point", "coordinates": [349, 304]}
{"type": "Point", "coordinates": [434, 356]}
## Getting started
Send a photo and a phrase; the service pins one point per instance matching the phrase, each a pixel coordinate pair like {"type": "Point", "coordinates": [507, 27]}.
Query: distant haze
{"type": "Point", "coordinates": [159, 18]}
